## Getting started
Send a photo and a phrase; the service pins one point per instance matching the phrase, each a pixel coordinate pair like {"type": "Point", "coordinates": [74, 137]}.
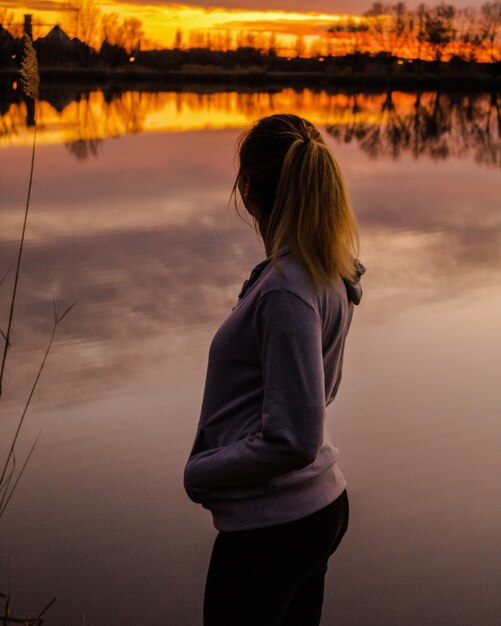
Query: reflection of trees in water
{"type": "Point", "coordinates": [436, 126]}
{"type": "Point", "coordinates": [126, 112]}
{"type": "Point", "coordinates": [12, 121]}
{"type": "Point", "coordinates": [82, 120]}
{"type": "Point", "coordinates": [429, 125]}
{"type": "Point", "coordinates": [83, 135]}
{"type": "Point", "coordinates": [110, 115]}
{"type": "Point", "coordinates": [84, 148]}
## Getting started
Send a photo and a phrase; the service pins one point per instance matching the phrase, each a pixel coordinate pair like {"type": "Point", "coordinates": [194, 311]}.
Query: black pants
{"type": "Point", "coordinates": [274, 576]}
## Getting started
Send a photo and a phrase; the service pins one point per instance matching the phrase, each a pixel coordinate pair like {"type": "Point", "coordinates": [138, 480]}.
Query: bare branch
{"type": "Point", "coordinates": [61, 317]}
{"type": "Point", "coordinates": [46, 608]}
{"type": "Point", "coordinates": [18, 264]}
{"type": "Point", "coordinates": [21, 472]}
{"type": "Point", "coordinates": [4, 277]}
{"type": "Point", "coordinates": [28, 402]}
{"type": "Point", "coordinates": [4, 485]}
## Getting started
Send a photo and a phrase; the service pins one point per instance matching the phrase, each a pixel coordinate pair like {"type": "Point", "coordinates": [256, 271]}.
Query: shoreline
{"type": "Point", "coordinates": [452, 80]}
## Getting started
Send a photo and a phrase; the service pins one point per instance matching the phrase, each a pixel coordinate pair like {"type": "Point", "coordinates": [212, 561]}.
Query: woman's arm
{"type": "Point", "coordinates": [289, 337]}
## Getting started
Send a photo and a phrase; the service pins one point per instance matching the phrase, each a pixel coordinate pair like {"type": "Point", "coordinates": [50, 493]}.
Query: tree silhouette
{"type": "Point", "coordinates": [86, 21]}
{"type": "Point", "coordinates": [490, 28]}
{"type": "Point", "coordinates": [439, 28]}
{"type": "Point", "coordinates": [178, 39]}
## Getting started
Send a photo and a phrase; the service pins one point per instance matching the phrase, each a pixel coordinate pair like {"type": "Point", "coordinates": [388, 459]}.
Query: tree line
{"type": "Point", "coordinates": [436, 32]}
{"type": "Point", "coordinates": [439, 32]}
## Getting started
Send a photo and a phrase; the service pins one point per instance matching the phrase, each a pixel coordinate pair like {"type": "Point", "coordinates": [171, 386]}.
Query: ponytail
{"type": "Point", "coordinates": [308, 209]}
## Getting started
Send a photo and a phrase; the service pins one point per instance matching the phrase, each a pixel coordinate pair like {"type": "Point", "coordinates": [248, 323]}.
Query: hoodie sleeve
{"type": "Point", "coordinates": [289, 341]}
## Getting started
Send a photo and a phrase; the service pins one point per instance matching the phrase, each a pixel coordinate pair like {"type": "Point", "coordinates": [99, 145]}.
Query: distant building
{"type": "Point", "coordinates": [8, 47]}
{"type": "Point", "coordinates": [6, 38]}
{"type": "Point", "coordinates": [56, 36]}
{"type": "Point", "coordinates": [58, 48]}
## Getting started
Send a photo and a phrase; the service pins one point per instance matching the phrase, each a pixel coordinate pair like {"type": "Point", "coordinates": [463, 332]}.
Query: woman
{"type": "Point", "coordinates": [262, 462]}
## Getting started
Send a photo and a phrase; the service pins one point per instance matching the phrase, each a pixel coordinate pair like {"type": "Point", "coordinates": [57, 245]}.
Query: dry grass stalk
{"type": "Point", "coordinates": [7, 618]}
{"type": "Point", "coordinates": [31, 82]}
{"type": "Point", "coordinates": [30, 79]}
{"type": "Point", "coordinates": [7, 475]}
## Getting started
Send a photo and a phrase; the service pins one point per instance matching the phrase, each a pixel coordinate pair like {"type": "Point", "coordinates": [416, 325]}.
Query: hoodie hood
{"type": "Point", "coordinates": [353, 287]}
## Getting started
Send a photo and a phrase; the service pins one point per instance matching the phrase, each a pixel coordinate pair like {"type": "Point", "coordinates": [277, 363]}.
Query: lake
{"type": "Point", "coordinates": [130, 220]}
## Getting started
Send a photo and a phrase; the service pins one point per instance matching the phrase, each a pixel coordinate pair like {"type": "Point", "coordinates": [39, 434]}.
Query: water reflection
{"type": "Point", "coordinates": [145, 241]}
{"type": "Point", "coordinates": [438, 126]}
{"type": "Point", "coordinates": [394, 123]}
{"type": "Point", "coordinates": [84, 148]}
{"type": "Point", "coordinates": [142, 239]}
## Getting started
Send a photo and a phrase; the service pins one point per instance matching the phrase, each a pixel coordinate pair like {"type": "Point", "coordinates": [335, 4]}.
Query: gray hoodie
{"type": "Point", "coordinates": [262, 455]}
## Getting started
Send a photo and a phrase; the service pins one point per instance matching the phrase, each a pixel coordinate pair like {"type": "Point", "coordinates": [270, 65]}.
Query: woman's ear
{"type": "Point", "coordinates": [243, 186]}
{"type": "Point", "coordinates": [249, 203]}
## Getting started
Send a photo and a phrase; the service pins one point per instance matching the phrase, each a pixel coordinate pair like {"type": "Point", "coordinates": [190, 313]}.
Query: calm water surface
{"type": "Point", "coordinates": [130, 219]}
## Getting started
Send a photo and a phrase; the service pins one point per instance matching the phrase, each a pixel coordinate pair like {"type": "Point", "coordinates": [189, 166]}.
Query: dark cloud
{"type": "Point", "coordinates": [38, 5]}
{"type": "Point", "coordinates": [320, 6]}
{"type": "Point", "coordinates": [352, 7]}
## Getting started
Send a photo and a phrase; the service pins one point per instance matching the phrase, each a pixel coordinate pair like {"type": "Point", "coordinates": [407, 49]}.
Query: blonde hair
{"type": "Point", "coordinates": [299, 191]}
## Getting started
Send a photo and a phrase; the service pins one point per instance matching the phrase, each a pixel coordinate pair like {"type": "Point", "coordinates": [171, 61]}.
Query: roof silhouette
{"type": "Point", "coordinates": [57, 36]}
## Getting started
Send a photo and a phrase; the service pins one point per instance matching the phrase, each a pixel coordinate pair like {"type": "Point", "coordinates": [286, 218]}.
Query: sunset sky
{"type": "Point", "coordinates": [162, 19]}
